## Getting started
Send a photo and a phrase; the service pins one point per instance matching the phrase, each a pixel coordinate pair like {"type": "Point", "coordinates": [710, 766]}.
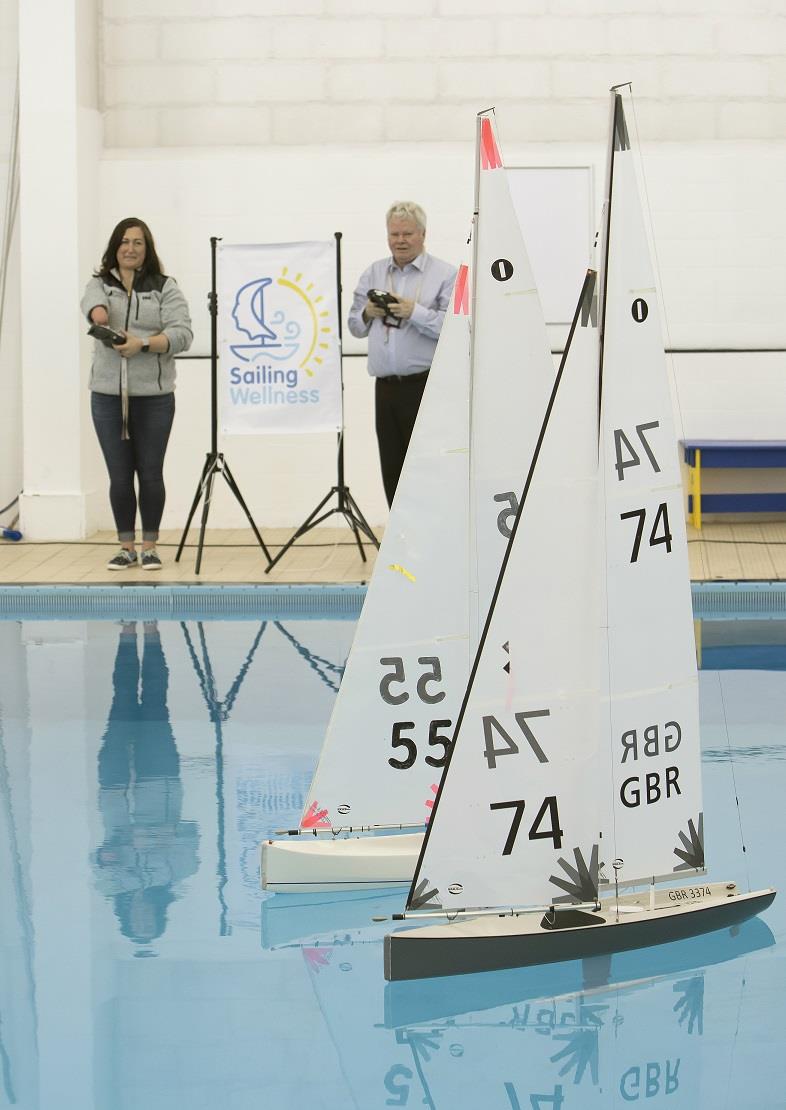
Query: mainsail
{"type": "Point", "coordinates": [392, 725]}
{"type": "Point", "coordinates": [653, 715]}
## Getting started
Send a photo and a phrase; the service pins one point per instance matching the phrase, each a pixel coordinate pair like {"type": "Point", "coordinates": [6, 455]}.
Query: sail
{"type": "Point", "coordinates": [393, 721]}
{"type": "Point", "coordinates": [516, 819]}
{"type": "Point", "coordinates": [653, 717]}
{"type": "Point", "coordinates": [388, 735]}
{"type": "Point", "coordinates": [512, 370]}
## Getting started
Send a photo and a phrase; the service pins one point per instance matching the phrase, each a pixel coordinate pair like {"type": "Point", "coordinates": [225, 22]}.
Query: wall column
{"type": "Point", "coordinates": [59, 155]}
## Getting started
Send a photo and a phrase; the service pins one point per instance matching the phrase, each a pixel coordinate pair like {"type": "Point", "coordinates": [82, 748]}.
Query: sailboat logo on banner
{"type": "Point", "coordinates": [283, 320]}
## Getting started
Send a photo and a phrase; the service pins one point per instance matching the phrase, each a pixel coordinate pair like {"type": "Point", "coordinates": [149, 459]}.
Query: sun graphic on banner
{"type": "Point", "coordinates": [319, 316]}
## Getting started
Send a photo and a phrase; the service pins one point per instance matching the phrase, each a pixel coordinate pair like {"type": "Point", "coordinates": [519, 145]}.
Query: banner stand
{"type": "Point", "coordinates": [215, 463]}
{"type": "Point", "coordinates": [345, 505]}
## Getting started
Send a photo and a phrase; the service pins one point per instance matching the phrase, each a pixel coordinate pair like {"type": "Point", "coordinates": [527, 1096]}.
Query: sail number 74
{"type": "Point", "coordinates": [659, 533]}
{"type": "Point", "coordinates": [536, 832]}
{"type": "Point", "coordinates": [492, 730]}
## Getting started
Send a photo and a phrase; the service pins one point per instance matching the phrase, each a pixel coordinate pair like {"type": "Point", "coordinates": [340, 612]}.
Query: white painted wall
{"type": "Point", "coordinates": [272, 120]}
{"type": "Point", "coordinates": [720, 237]}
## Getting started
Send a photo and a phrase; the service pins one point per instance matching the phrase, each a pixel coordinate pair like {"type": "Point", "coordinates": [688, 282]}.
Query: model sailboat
{"type": "Point", "coordinates": [392, 724]}
{"type": "Point", "coordinates": [576, 759]}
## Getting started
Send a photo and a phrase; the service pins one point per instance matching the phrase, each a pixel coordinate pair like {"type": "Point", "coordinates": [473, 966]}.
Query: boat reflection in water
{"type": "Point", "coordinates": [605, 1032]}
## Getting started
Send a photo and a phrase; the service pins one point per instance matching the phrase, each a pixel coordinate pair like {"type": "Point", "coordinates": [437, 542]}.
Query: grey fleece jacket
{"type": "Point", "coordinates": [155, 305]}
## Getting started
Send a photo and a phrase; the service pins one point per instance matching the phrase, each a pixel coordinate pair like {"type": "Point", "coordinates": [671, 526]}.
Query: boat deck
{"type": "Point", "coordinates": [720, 552]}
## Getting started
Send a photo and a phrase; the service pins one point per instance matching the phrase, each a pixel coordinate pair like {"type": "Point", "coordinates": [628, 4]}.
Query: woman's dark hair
{"type": "Point", "coordinates": [150, 267]}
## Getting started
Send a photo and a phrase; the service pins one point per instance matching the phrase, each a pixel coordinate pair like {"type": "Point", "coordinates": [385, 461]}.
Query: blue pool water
{"type": "Point", "coordinates": [141, 967]}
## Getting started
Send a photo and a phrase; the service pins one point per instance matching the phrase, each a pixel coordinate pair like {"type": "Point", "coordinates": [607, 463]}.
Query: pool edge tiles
{"type": "Point", "coordinates": [739, 599]}
{"type": "Point", "coordinates": [181, 602]}
{"type": "Point", "coordinates": [711, 600]}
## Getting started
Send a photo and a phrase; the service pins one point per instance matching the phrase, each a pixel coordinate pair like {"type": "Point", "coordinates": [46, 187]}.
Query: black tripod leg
{"type": "Point", "coordinates": [357, 515]}
{"type": "Point", "coordinates": [307, 524]}
{"type": "Point", "coordinates": [205, 511]}
{"type": "Point", "coordinates": [239, 498]}
{"type": "Point", "coordinates": [197, 496]}
{"type": "Point", "coordinates": [349, 518]}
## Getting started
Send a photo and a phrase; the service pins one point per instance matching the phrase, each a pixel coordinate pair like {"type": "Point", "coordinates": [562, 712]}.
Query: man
{"type": "Point", "coordinates": [402, 337]}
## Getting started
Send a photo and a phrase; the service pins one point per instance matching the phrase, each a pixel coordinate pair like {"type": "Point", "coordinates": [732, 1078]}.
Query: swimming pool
{"type": "Point", "coordinates": [142, 760]}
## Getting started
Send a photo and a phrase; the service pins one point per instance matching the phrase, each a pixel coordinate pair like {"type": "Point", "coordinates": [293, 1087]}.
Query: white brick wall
{"type": "Point", "coordinates": [702, 69]}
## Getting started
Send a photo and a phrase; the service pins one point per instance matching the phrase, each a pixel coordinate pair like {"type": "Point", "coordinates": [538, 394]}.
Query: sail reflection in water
{"type": "Point", "coordinates": [147, 848]}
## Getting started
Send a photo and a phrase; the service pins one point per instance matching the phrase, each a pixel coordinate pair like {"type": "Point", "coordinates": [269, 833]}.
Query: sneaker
{"type": "Point", "coordinates": [150, 560]}
{"type": "Point", "coordinates": [123, 560]}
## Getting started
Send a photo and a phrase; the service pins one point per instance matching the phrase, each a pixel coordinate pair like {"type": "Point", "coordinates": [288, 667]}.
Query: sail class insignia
{"type": "Point", "coordinates": [692, 851]}
{"type": "Point", "coordinates": [582, 884]}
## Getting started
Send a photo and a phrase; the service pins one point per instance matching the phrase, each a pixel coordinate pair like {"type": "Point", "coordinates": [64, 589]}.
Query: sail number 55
{"type": "Point", "coordinates": [432, 675]}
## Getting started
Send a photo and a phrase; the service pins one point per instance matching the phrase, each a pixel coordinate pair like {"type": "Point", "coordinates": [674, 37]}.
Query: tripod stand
{"type": "Point", "coordinates": [215, 463]}
{"type": "Point", "coordinates": [346, 505]}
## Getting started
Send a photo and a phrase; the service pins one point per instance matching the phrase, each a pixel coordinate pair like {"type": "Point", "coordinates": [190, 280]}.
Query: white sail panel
{"type": "Point", "coordinates": [516, 820]}
{"type": "Point", "coordinates": [653, 715]}
{"type": "Point", "coordinates": [512, 370]}
{"type": "Point", "coordinates": [387, 740]}
{"type": "Point", "coordinates": [394, 717]}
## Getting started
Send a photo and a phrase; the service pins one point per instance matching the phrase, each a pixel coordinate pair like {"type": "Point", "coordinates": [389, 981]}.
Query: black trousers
{"type": "Point", "coordinates": [149, 424]}
{"type": "Point", "coordinates": [396, 403]}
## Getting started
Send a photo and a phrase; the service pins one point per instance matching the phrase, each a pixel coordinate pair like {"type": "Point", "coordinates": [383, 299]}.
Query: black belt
{"type": "Point", "coordinates": [397, 379]}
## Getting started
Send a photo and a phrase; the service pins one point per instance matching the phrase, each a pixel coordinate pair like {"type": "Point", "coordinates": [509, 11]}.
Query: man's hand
{"type": "Point", "coordinates": [372, 311]}
{"type": "Point", "coordinates": [402, 309]}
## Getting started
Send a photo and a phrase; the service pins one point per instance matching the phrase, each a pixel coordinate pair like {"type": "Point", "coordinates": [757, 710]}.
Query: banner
{"type": "Point", "coordinates": [279, 352]}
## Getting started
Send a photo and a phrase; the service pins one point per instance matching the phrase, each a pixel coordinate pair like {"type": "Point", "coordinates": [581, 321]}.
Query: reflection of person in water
{"type": "Point", "coordinates": [146, 846]}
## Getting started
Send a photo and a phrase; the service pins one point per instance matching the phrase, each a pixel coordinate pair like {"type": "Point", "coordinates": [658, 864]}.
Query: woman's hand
{"type": "Point", "coordinates": [99, 315]}
{"type": "Point", "coordinates": [131, 347]}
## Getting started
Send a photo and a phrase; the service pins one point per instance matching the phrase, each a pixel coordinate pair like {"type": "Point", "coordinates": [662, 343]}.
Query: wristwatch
{"type": "Point", "coordinates": [145, 347]}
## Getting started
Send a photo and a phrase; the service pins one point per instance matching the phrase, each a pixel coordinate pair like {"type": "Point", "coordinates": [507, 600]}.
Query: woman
{"type": "Point", "coordinates": [132, 382]}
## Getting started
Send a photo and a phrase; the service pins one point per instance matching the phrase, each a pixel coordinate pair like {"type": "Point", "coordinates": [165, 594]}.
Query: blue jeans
{"type": "Point", "coordinates": [149, 424]}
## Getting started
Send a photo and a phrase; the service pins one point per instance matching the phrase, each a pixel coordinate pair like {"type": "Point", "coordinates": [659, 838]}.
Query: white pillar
{"type": "Point", "coordinates": [59, 155]}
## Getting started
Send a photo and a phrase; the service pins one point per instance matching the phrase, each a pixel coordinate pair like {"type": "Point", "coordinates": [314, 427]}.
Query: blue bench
{"type": "Point", "coordinates": [701, 454]}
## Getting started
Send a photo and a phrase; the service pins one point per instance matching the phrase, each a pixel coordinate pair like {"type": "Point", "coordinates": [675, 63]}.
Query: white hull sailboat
{"type": "Point", "coordinates": [391, 729]}
{"type": "Point", "coordinates": [576, 766]}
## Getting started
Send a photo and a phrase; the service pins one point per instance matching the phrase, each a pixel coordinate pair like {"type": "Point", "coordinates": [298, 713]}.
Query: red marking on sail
{"type": "Point", "coordinates": [430, 802]}
{"type": "Point", "coordinates": [315, 818]}
{"type": "Point", "coordinates": [461, 292]}
{"type": "Point", "coordinates": [317, 958]}
{"type": "Point", "coordinates": [489, 151]}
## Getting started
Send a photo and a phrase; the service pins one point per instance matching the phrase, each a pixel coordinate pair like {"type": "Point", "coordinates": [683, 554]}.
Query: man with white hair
{"type": "Point", "coordinates": [400, 303]}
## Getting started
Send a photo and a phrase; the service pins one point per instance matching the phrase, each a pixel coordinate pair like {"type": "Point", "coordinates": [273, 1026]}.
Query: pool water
{"type": "Point", "coordinates": [142, 968]}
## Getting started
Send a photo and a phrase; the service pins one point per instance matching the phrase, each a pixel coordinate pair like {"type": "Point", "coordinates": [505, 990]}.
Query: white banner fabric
{"type": "Point", "coordinates": [278, 340]}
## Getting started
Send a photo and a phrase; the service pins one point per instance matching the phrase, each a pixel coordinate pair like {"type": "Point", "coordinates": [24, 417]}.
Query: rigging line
{"type": "Point", "coordinates": [603, 274]}
{"type": "Point", "coordinates": [734, 781]}
{"type": "Point", "coordinates": [585, 296]}
{"type": "Point", "coordinates": [736, 1031]}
